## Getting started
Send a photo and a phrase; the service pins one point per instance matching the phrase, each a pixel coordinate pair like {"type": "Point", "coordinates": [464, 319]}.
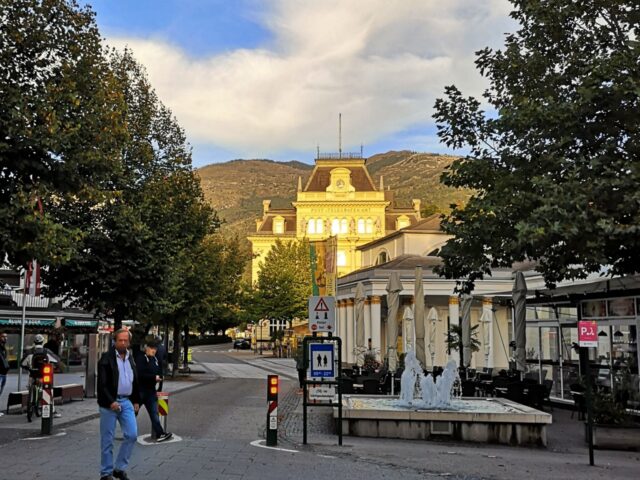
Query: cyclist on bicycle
{"type": "Point", "coordinates": [37, 356]}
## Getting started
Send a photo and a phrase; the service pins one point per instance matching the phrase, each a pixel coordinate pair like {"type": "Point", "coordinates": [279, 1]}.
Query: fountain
{"type": "Point", "coordinates": [426, 409]}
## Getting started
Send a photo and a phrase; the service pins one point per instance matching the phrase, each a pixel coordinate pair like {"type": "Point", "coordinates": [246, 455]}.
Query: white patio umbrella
{"type": "Point", "coordinates": [418, 302]}
{"type": "Point", "coordinates": [520, 320]}
{"type": "Point", "coordinates": [408, 330]}
{"type": "Point", "coordinates": [485, 320]}
{"type": "Point", "coordinates": [394, 287]}
{"type": "Point", "coordinates": [432, 318]}
{"type": "Point", "coordinates": [359, 321]}
{"type": "Point", "coordinates": [465, 324]}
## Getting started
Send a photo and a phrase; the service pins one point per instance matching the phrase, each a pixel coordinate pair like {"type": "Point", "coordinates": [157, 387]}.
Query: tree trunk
{"type": "Point", "coordinates": [118, 317]}
{"type": "Point", "coordinates": [186, 346]}
{"type": "Point", "coordinates": [176, 347]}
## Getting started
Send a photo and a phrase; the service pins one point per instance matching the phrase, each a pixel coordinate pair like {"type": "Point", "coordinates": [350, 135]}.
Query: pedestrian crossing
{"type": "Point", "coordinates": [253, 370]}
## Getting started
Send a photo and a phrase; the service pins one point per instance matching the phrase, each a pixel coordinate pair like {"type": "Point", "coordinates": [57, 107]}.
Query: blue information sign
{"type": "Point", "coordinates": [321, 360]}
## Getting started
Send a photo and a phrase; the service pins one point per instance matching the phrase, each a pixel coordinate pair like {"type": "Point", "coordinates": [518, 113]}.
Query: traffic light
{"type": "Point", "coordinates": [272, 387]}
{"type": "Point", "coordinates": [46, 374]}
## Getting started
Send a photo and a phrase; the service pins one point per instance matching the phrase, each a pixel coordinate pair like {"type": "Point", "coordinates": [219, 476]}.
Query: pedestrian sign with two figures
{"type": "Point", "coordinates": [322, 314]}
{"type": "Point", "coordinates": [322, 361]}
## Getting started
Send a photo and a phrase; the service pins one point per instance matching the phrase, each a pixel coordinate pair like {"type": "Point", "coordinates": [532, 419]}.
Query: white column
{"type": "Point", "coordinates": [367, 322]}
{"type": "Point", "coordinates": [351, 358]}
{"type": "Point", "coordinates": [342, 315]}
{"type": "Point", "coordinates": [376, 326]}
{"type": "Point", "coordinates": [487, 310]}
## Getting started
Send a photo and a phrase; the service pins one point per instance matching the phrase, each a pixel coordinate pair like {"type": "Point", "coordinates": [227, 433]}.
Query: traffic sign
{"type": "Point", "coordinates": [587, 333]}
{"type": "Point", "coordinates": [322, 314]}
{"type": "Point", "coordinates": [322, 392]}
{"type": "Point", "coordinates": [321, 361]}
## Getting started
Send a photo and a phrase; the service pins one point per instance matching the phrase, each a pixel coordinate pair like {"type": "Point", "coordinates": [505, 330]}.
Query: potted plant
{"type": "Point", "coordinates": [613, 428]}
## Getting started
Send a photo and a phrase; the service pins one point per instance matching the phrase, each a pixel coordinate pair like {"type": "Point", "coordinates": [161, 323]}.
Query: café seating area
{"type": "Point", "coordinates": [481, 383]}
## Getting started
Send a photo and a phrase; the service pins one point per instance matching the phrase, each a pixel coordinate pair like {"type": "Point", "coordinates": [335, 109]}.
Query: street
{"type": "Point", "coordinates": [219, 417]}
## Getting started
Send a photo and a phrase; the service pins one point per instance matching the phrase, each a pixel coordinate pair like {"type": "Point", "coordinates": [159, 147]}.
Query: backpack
{"type": "Point", "coordinates": [38, 359]}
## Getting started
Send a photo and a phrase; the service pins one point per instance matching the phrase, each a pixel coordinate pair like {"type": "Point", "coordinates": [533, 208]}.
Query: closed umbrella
{"type": "Point", "coordinates": [408, 330]}
{"type": "Point", "coordinates": [394, 287]}
{"type": "Point", "coordinates": [466, 330]}
{"type": "Point", "coordinates": [418, 301]}
{"type": "Point", "coordinates": [486, 319]}
{"type": "Point", "coordinates": [359, 321]}
{"type": "Point", "coordinates": [432, 318]}
{"type": "Point", "coordinates": [520, 320]}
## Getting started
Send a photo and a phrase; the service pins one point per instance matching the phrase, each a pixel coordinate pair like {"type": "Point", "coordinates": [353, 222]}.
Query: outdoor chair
{"type": "Point", "coordinates": [579, 403]}
{"type": "Point", "coordinates": [468, 388]}
{"type": "Point", "coordinates": [346, 385]}
{"type": "Point", "coordinates": [371, 386]}
{"type": "Point", "coordinates": [548, 387]}
{"type": "Point", "coordinates": [534, 396]}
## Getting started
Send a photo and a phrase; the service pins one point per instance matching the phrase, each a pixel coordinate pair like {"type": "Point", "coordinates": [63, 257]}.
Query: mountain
{"type": "Point", "coordinates": [236, 188]}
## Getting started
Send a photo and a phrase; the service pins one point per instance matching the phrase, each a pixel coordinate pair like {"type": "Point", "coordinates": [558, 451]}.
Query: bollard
{"type": "Point", "coordinates": [46, 401]}
{"type": "Point", "coordinates": [272, 410]}
{"type": "Point", "coordinates": [163, 408]}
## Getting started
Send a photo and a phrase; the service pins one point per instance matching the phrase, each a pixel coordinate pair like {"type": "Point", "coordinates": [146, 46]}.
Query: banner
{"type": "Point", "coordinates": [32, 279]}
{"type": "Point", "coordinates": [323, 266]}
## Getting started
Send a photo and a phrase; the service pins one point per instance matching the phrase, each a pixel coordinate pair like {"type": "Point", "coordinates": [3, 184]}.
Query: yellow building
{"type": "Point", "coordinates": [340, 198]}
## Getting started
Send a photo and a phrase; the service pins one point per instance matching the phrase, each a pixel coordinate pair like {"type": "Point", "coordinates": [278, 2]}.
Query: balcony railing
{"type": "Point", "coordinates": [14, 298]}
{"type": "Point", "coordinates": [341, 155]}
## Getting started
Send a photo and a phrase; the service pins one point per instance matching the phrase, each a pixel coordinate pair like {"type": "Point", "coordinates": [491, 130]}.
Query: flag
{"type": "Point", "coordinates": [32, 279]}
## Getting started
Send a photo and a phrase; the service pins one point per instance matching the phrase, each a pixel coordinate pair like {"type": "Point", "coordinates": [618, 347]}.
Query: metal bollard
{"type": "Point", "coordinates": [163, 408]}
{"type": "Point", "coordinates": [272, 410]}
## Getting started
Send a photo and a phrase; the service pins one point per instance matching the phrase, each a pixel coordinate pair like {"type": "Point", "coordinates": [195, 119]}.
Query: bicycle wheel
{"type": "Point", "coordinates": [30, 402]}
{"type": "Point", "coordinates": [37, 407]}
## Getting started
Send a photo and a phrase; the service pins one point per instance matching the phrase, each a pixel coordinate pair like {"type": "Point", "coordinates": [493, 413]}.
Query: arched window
{"type": "Point", "coordinates": [382, 258]}
{"type": "Point", "coordinates": [319, 225]}
{"type": "Point", "coordinates": [369, 225]}
{"type": "Point", "coordinates": [311, 226]}
{"type": "Point", "coordinates": [341, 259]}
{"type": "Point", "coordinates": [335, 226]}
{"type": "Point", "coordinates": [344, 227]}
{"type": "Point", "coordinates": [361, 227]}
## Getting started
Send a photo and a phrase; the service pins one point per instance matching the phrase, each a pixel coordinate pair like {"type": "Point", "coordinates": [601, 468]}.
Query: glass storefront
{"type": "Point", "coordinates": [552, 337]}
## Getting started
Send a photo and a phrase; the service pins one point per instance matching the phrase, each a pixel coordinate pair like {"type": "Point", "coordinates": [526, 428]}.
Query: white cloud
{"type": "Point", "coordinates": [382, 63]}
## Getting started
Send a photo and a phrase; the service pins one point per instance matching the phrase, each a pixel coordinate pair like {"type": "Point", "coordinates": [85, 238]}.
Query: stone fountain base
{"type": "Point", "coordinates": [492, 420]}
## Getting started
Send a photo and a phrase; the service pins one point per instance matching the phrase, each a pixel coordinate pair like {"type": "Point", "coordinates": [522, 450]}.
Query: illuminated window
{"type": "Point", "coordinates": [319, 225]}
{"type": "Point", "coordinates": [344, 228]}
{"type": "Point", "coordinates": [369, 228]}
{"type": "Point", "coordinates": [361, 227]}
{"type": "Point", "coordinates": [311, 226]}
{"type": "Point", "coordinates": [342, 258]}
{"type": "Point", "coordinates": [402, 222]}
{"type": "Point", "coordinates": [335, 226]}
{"type": "Point", "coordinates": [278, 225]}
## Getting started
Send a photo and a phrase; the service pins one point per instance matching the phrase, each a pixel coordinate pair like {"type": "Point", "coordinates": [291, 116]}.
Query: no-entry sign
{"type": "Point", "coordinates": [587, 333]}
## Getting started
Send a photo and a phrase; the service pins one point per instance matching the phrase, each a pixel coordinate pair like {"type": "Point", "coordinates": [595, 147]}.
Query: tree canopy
{"type": "Point", "coordinates": [284, 282]}
{"type": "Point", "coordinates": [554, 159]}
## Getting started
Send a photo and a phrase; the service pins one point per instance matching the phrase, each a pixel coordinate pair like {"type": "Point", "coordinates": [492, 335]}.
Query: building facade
{"type": "Point", "coordinates": [340, 199]}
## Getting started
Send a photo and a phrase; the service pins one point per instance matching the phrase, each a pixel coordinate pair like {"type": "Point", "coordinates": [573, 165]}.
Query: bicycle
{"type": "Point", "coordinates": [34, 403]}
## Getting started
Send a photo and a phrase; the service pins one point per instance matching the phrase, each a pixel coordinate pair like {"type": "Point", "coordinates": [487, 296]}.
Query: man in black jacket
{"type": "Point", "coordinates": [149, 373]}
{"type": "Point", "coordinates": [119, 399]}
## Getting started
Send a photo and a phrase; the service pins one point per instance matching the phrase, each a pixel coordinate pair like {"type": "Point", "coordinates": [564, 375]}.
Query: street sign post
{"type": "Point", "coordinates": [322, 314]}
{"type": "Point", "coordinates": [322, 361]}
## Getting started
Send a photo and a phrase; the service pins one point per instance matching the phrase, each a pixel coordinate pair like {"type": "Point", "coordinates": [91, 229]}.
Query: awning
{"type": "Point", "coordinates": [29, 322]}
{"type": "Point", "coordinates": [80, 323]}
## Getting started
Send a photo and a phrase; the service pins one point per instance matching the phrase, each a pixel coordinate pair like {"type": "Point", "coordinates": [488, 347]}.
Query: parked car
{"type": "Point", "coordinates": [241, 344]}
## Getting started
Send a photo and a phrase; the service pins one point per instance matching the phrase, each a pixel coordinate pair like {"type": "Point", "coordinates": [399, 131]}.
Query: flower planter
{"type": "Point", "coordinates": [615, 437]}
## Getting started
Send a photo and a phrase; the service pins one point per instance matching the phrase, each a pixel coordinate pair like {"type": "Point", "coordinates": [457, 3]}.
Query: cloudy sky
{"type": "Point", "coordinates": [268, 78]}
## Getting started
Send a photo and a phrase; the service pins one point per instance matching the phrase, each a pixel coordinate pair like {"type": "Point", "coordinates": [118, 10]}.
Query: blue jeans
{"type": "Point", "coordinates": [3, 381]}
{"type": "Point", "coordinates": [150, 401]}
{"type": "Point", "coordinates": [127, 419]}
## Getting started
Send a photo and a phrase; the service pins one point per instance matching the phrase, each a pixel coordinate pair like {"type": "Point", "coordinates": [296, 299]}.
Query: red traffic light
{"type": "Point", "coordinates": [272, 387]}
{"type": "Point", "coordinates": [47, 374]}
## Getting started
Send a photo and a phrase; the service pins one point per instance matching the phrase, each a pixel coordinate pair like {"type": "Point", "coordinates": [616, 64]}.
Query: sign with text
{"type": "Point", "coordinates": [587, 333]}
{"type": "Point", "coordinates": [322, 393]}
{"type": "Point", "coordinates": [322, 314]}
{"type": "Point", "coordinates": [321, 361]}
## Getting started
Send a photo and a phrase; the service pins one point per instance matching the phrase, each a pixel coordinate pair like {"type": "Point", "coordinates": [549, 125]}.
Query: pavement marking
{"type": "Point", "coordinates": [44, 437]}
{"type": "Point", "coordinates": [147, 440]}
{"type": "Point", "coordinates": [326, 456]}
{"type": "Point", "coordinates": [258, 443]}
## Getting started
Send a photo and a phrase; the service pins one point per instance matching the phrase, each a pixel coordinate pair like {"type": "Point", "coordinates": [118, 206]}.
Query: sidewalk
{"type": "Point", "coordinates": [74, 412]}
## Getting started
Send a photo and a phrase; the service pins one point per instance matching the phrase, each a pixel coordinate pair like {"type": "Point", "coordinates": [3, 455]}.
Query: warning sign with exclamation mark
{"type": "Point", "coordinates": [322, 314]}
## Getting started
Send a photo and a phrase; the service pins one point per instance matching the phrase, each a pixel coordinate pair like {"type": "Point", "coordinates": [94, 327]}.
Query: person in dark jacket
{"type": "Point", "coordinates": [149, 373]}
{"type": "Point", "coordinates": [119, 399]}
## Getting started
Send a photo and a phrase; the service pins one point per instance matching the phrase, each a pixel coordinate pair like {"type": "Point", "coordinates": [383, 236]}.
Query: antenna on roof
{"type": "Point", "coordinates": [340, 135]}
{"type": "Point", "coordinates": [317, 151]}
{"type": "Point", "coordinates": [361, 151]}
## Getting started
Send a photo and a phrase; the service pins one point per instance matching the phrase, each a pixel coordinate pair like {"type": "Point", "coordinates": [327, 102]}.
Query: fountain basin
{"type": "Point", "coordinates": [486, 420]}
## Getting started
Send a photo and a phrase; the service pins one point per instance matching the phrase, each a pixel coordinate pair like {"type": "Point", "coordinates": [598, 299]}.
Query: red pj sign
{"type": "Point", "coordinates": [587, 333]}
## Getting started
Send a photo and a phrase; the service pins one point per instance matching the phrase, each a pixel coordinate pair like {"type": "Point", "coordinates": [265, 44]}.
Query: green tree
{"type": "Point", "coordinates": [284, 282]}
{"type": "Point", "coordinates": [554, 163]}
{"type": "Point", "coordinates": [157, 209]}
{"type": "Point", "coordinates": [61, 122]}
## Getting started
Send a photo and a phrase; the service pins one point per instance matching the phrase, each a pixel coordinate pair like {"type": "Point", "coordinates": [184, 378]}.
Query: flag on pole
{"type": "Point", "coordinates": [32, 279]}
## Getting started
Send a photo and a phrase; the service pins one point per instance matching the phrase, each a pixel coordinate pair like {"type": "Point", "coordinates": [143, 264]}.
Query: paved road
{"type": "Point", "coordinates": [221, 415]}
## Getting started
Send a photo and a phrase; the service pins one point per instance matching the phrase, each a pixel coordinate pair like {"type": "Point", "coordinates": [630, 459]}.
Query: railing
{"type": "Point", "coordinates": [342, 155]}
{"type": "Point", "coordinates": [17, 297]}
